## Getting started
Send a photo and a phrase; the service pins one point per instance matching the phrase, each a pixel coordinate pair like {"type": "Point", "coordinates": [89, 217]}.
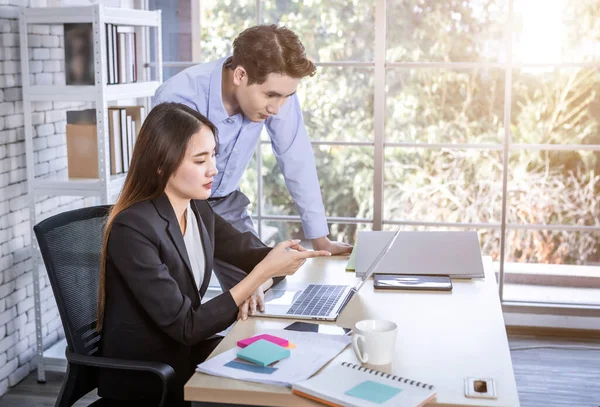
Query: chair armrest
{"type": "Point", "coordinates": [162, 370]}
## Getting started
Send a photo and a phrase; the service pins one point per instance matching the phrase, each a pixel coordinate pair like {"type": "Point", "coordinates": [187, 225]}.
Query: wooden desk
{"type": "Point", "coordinates": [442, 339]}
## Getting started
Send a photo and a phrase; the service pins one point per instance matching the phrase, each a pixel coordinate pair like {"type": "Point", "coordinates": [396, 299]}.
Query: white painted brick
{"type": "Point", "coordinates": [6, 289]}
{"type": "Point", "coordinates": [5, 236]}
{"type": "Point", "coordinates": [6, 262]}
{"type": "Point", "coordinates": [7, 315]}
{"type": "Point", "coordinates": [9, 81]}
{"type": "Point", "coordinates": [13, 121]}
{"type": "Point", "coordinates": [55, 324]}
{"type": "Point", "coordinates": [58, 164]}
{"type": "Point", "coordinates": [52, 66]}
{"type": "Point", "coordinates": [12, 54]}
{"type": "Point", "coordinates": [50, 41]}
{"type": "Point", "coordinates": [7, 342]}
{"type": "Point", "coordinates": [4, 165]}
{"type": "Point", "coordinates": [17, 161]}
{"type": "Point", "coordinates": [35, 66]}
{"type": "Point", "coordinates": [27, 355]}
{"type": "Point", "coordinates": [39, 143]}
{"type": "Point", "coordinates": [20, 229]}
{"type": "Point", "coordinates": [8, 368]}
{"type": "Point", "coordinates": [50, 339]}
{"type": "Point", "coordinates": [4, 180]}
{"type": "Point", "coordinates": [46, 293]}
{"type": "Point", "coordinates": [16, 296]}
{"type": "Point", "coordinates": [18, 107]}
{"type": "Point", "coordinates": [57, 54]}
{"type": "Point", "coordinates": [60, 126]}
{"type": "Point", "coordinates": [42, 169]}
{"type": "Point", "coordinates": [54, 116]}
{"type": "Point", "coordinates": [24, 305]}
{"type": "Point", "coordinates": [14, 190]}
{"type": "Point", "coordinates": [41, 54]}
{"type": "Point", "coordinates": [57, 30]}
{"type": "Point", "coordinates": [16, 325]}
{"type": "Point", "coordinates": [9, 136]}
{"type": "Point", "coordinates": [4, 26]}
{"type": "Point", "coordinates": [1, 123]}
{"type": "Point", "coordinates": [44, 129]}
{"type": "Point", "coordinates": [15, 243]}
{"type": "Point", "coordinates": [1, 95]}
{"type": "Point", "coordinates": [19, 347]}
{"type": "Point", "coordinates": [24, 279]}
{"type": "Point", "coordinates": [23, 254]}
{"type": "Point", "coordinates": [40, 29]}
{"type": "Point", "coordinates": [47, 154]}
{"type": "Point", "coordinates": [7, 108]}
{"type": "Point", "coordinates": [38, 118]}
{"type": "Point", "coordinates": [2, 309]}
{"type": "Point", "coordinates": [19, 202]}
{"type": "Point", "coordinates": [56, 140]}
{"type": "Point", "coordinates": [16, 149]}
{"type": "Point", "coordinates": [18, 175]}
{"type": "Point", "coordinates": [42, 106]}
{"type": "Point", "coordinates": [9, 40]}
{"type": "Point", "coordinates": [29, 290]}
{"type": "Point", "coordinates": [45, 78]}
{"type": "Point", "coordinates": [12, 94]}
{"type": "Point", "coordinates": [19, 374]}
{"type": "Point", "coordinates": [34, 41]}
{"type": "Point", "coordinates": [59, 77]}
{"type": "Point", "coordinates": [3, 383]}
{"type": "Point", "coordinates": [11, 67]}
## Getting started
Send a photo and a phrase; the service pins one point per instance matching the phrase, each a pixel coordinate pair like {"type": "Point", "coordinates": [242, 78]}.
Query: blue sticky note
{"type": "Point", "coordinates": [263, 353]}
{"type": "Point", "coordinates": [250, 368]}
{"type": "Point", "coordinates": [373, 392]}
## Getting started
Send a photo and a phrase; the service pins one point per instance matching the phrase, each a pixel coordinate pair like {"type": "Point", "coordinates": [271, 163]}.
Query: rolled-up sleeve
{"type": "Point", "coordinates": [296, 160]}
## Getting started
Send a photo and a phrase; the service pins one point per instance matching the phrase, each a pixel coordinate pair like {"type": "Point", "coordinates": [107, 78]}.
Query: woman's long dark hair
{"type": "Point", "coordinates": [159, 150]}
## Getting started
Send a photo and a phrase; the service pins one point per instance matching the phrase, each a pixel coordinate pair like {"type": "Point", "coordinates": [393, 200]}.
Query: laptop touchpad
{"type": "Point", "coordinates": [281, 297]}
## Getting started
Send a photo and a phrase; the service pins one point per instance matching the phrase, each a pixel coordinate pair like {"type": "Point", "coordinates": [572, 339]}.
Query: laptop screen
{"type": "Point", "coordinates": [376, 262]}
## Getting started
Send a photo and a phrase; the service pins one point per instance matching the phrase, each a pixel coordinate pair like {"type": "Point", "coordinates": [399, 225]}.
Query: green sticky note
{"type": "Point", "coordinates": [263, 353]}
{"type": "Point", "coordinates": [373, 392]}
{"type": "Point", "coordinates": [351, 266]}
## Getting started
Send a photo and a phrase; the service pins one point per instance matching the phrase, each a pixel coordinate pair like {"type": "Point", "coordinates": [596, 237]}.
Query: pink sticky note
{"type": "Point", "coordinates": [274, 339]}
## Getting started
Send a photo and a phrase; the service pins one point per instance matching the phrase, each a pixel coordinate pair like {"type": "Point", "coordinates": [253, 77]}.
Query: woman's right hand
{"type": "Point", "coordinates": [287, 257]}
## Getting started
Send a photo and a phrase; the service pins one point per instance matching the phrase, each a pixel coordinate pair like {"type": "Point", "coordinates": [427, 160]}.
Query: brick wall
{"type": "Point", "coordinates": [17, 318]}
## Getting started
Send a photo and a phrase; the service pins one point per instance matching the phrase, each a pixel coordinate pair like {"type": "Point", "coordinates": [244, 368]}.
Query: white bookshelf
{"type": "Point", "coordinates": [106, 185]}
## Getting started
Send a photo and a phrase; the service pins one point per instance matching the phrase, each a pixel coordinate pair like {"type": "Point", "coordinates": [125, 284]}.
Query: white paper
{"type": "Point", "coordinates": [312, 352]}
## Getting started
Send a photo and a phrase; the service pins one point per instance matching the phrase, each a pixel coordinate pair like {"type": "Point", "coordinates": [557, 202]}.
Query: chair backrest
{"type": "Point", "coordinates": [71, 244]}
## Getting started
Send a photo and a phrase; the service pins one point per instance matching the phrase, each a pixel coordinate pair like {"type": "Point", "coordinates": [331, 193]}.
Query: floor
{"type": "Point", "coordinates": [549, 372]}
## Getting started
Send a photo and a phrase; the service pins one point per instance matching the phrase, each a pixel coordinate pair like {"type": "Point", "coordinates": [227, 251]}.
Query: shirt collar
{"type": "Point", "coordinates": [216, 109]}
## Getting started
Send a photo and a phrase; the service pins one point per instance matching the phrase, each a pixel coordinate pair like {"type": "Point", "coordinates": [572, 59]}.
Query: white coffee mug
{"type": "Point", "coordinates": [373, 341]}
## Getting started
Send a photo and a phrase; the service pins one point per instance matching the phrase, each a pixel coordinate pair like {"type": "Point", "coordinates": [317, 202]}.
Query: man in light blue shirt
{"type": "Point", "coordinates": [241, 94]}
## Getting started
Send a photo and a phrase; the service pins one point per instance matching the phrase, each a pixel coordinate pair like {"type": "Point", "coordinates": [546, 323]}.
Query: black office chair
{"type": "Point", "coordinates": [71, 244]}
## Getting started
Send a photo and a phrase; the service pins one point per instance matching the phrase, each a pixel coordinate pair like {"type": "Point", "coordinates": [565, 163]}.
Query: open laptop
{"type": "Point", "coordinates": [316, 301]}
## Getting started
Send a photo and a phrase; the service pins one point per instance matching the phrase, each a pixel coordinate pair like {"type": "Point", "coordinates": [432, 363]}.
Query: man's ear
{"type": "Point", "coordinates": [240, 75]}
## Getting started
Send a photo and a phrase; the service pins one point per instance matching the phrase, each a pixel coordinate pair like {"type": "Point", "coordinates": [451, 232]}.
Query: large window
{"type": "Point", "coordinates": [475, 115]}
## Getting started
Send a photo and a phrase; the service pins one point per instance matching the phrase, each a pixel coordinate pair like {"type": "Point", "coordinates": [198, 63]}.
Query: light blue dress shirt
{"type": "Point", "coordinates": [199, 87]}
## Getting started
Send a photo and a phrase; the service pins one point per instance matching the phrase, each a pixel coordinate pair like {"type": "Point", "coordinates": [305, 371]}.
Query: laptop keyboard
{"type": "Point", "coordinates": [317, 300]}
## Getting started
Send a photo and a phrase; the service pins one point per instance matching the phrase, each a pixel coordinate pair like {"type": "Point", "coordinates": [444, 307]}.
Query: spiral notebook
{"type": "Point", "coordinates": [351, 385]}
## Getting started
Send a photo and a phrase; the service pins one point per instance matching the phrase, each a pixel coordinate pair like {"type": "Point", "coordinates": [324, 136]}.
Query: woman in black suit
{"type": "Point", "coordinates": [160, 242]}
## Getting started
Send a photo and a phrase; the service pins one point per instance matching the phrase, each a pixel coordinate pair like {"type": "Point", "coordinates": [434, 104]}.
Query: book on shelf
{"type": "Point", "coordinates": [121, 54]}
{"type": "Point", "coordinates": [79, 54]}
{"type": "Point", "coordinates": [124, 123]}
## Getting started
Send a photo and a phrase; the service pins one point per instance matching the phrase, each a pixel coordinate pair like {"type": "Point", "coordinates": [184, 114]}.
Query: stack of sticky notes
{"type": "Point", "coordinates": [263, 350]}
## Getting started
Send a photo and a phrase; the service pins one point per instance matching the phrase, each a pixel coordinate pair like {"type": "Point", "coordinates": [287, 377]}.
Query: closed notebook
{"type": "Point", "coordinates": [351, 385]}
{"type": "Point", "coordinates": [263, 353]}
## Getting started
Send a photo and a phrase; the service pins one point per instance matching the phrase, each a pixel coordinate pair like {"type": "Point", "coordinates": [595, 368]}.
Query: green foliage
{"type": "Point", "coordinates": [555, 106]}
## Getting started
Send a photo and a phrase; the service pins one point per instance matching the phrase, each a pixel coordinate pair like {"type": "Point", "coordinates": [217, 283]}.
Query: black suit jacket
{"type": "Point", "coordinates": [153, 309]}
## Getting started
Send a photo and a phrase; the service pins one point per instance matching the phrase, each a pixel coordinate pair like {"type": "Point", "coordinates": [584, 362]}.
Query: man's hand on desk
{"type": "Point", "coordinates": [335, 248]}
